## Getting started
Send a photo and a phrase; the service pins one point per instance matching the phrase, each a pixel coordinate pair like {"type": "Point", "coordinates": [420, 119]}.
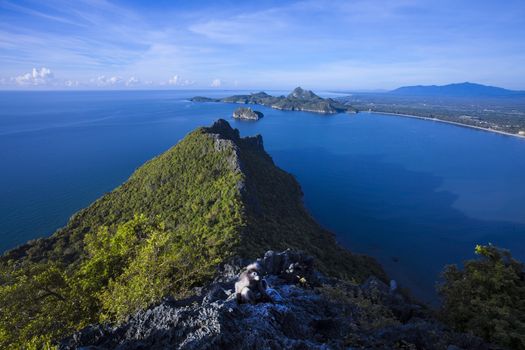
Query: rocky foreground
{"type": "Point", "coordinates": [310, 311]}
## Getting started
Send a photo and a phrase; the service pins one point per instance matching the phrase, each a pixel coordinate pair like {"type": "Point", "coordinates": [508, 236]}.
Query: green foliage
{"type": "Point", "coordinates": [278, 220]}
{"type": "Point", "coordinates": [164, 263]}
{"type": "Point", "coordinates": [487, 297]}
{"type": "Point", "coordinates": [162, 232]}
{"type": "Point", "coordinates": [192, 184]}
{"type": "Point", "coordinates": [498, 113]}
{"type": "Point", "coordinates": [37, 305]}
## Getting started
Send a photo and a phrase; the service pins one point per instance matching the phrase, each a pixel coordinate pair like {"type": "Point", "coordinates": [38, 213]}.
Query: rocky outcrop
{"type": "Point", "coordinates": [204, 99]}
{"type": "Point", "coordinates": [247, 114]}
{"type": "Point", "coordinates": [310, 311]}
{"type": "Point", "coordinates": [302, 94]}
{"type": "Point", "coordinates": [298, 100]}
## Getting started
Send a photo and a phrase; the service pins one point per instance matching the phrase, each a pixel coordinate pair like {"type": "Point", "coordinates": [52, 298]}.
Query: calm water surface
{"type": "Point", "coordinates": [415, 194]}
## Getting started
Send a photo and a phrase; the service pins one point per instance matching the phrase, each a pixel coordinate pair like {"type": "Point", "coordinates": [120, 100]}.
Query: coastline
{"type": "Point", "coordinates": [449, 122]}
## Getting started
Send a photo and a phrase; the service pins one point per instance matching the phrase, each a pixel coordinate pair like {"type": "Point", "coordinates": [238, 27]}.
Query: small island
{"type": "Point", "coordinates": [246, 113]}
{"type": "Point", "coordinates": [298, 100]}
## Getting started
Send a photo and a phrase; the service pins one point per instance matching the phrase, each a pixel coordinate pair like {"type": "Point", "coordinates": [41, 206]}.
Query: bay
{"type": "Point", "coordinates": [414, 194]}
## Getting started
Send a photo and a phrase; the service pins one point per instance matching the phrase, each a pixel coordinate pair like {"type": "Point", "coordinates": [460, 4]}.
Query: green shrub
{"type": "Point", "coordinates": [487, 297]}
{"type": "Point", "coordinates": [162, 232]}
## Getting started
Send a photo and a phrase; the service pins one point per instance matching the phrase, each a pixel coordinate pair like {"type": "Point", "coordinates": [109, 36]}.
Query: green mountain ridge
{"type": "Point", "coordinates": [465, 89]}
{"type": "Point", "coordinates": [212, 197]}
{"type": "Point", "coordinates": [259, 183]}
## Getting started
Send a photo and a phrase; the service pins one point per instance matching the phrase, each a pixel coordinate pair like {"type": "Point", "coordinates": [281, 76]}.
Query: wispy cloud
{"type": "Point", "coordinates": [32, 12]}
{"type": "Point", "coordinates": [325, 44]}
{"type": "Point", "coordinates": [178, 81]}
{"type": "Point", "coordinates": [104, 81]}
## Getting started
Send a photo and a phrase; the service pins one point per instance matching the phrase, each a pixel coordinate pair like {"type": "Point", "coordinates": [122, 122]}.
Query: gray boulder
{"type": "Point", "coordinates": [322, 313]}
{"type": "Point", "coordinates": [247, 114]}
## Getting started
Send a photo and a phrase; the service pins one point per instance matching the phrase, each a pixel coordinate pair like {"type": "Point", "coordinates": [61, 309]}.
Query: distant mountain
{"type": "Point", "coordinates": [455, 90]}
{"type": "Point", "coordinates": [298, 100]}
{"type": "Point", "coordinates": [301, 94]}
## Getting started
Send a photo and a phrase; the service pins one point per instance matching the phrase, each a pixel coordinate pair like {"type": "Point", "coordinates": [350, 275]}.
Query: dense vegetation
{"type": "Point", "coordinates": [487, 297]}
{"type": "Point", "coordinates": [163, 232]}
{"type": "Point", "coordinates": [505, 113]}
{"type": "Point", "coordinates": [277, 218]}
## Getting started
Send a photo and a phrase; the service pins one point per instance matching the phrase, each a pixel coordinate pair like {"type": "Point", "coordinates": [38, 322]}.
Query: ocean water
{"type": "Point", "coordinates": [415, 194]}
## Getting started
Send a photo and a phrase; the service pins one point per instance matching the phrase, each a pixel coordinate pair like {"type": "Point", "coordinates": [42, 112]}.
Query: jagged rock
{"type": "Point", "coordinates": [305, 318]}
{"type": "Point", "coordinates": [302, 94]}
{"type": "Point", "coordinates": [290, 265]}
{"type": "Point", "coordinates": [247, 114]}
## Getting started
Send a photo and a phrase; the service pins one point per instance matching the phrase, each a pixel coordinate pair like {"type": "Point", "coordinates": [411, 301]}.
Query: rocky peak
{"type": "Point", "coordinates": [302, 94]}
{"type": "Point", "coordinates": [260, 94]}
{"type": "Point", "coordinates": [222, 128]}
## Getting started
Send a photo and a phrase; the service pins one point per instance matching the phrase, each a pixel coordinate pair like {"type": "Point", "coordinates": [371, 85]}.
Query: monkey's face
{"type": "Point", "coordinates": [255, 276]}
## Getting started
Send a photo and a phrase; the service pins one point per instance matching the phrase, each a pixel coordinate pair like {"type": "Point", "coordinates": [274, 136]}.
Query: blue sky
{"type": "Point", "coordinates": [353, 45]}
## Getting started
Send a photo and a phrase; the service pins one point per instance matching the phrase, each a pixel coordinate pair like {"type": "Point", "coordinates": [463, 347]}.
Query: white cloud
{"type": "Point", "coordinates": [216, 83]}
{"type": "Point", "coordinates": [114, 80]}
{"type": "Point", "coordinates": [174, 80]}
{"type": "Point", "coordinates": [42, 76]}
{"type": "Point", "coordinates": [102, 81]}
{"type": "Point", "coordinates": [178, 81]}
{"type": "Point", "coordinates": [255, 43]}
{"type": "Point", "coordinates": [132, 81]}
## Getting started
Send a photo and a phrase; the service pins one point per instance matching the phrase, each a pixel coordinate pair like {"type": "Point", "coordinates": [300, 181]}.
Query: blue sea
{"type": "Point", "coordinates": [415, 194]}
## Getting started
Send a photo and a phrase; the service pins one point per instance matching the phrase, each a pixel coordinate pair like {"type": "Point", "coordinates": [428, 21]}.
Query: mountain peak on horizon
{"type": "Point", "coordinates": [465, 89]}
{"type": "Point", "coordinates": [303, 94]}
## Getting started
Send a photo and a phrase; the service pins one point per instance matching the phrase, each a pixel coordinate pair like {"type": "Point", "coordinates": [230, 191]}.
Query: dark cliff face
{"type": "Point", "coordinates": [276, 217]}
{"type": "Point", "coordinates": [309, 311]}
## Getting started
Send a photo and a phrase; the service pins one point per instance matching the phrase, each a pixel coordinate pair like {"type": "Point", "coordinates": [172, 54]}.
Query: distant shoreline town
{"type": "Point", "coordinates": [465, 104]}
{"type": "Point", "coordinates": [522, 136]}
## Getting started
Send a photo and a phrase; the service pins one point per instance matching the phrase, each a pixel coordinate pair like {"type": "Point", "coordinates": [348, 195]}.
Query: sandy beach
{"type": "Point", "coordinates": [450, 122]}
